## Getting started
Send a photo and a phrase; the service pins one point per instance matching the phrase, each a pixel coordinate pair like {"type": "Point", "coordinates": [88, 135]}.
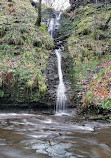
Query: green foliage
{"type": "Point", "coordinates": [84, 27]}
{"type": "Point", "coordinates": [1, 81]}
{"type": "Point", "coordinates": [1, 94]}
{"type": "Point", "coordinates": [88, 99]}
{"type": "Point", "coordinates": [87, 24]}
{"type": "Point", "coordinates": [36, 96]}
{"type": "Point", "coordinates": [107, 104]}
{"type": "Point", "coordinates": [13, 37]}
{"type": "Point", "coordinates": [25, 50]}
{"type": "Point", "coordinates": [99, 90]}
{"type": "Point", "coordinates": [66, 25]}
{"type": "Point", "coordinates": [30, 84]}
{"type": "Point", "coordinates": [89, 47]}
{"type": "Point", "coordinates": [2, 30]}
{"type": "Point", "coordinates": [42, 88]}
{"type": "Point", "coordinates": [43, 27]}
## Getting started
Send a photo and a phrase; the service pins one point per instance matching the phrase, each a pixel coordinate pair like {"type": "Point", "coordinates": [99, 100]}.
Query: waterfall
{"type": "Point", "coordinates": [53, 27]}
{"type": "Point", "coordinates": [61, 96]}
{"type": "Point", "coordinates": [51, 23]}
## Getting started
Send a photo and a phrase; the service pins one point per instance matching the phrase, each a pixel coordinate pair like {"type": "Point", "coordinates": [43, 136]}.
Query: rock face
{"type": "Point", "coordinates": [53, 80]}
{"type": "Point", "coordinates": [52, 66]}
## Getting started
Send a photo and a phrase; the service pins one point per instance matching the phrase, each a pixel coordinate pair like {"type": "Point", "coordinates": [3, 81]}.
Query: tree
{"type": "Point", "coordinates": [38, 21]}
{"type": "Point", "coordinates": [95, 17]}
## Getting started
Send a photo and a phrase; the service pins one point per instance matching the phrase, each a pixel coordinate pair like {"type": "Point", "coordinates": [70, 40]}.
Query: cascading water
{"type": "Point", "coordinates": [53, 26]}
{"type": "Point", "coordinates": [61, 96]}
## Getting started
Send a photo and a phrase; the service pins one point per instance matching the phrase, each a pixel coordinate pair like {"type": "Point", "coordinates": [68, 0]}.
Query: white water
{"type": "Point", "coordinates": [51, 23]}
{"type": "Point", "coordinates": [61, 96]}
{"type": "Point", "coordinates": [53, 26]}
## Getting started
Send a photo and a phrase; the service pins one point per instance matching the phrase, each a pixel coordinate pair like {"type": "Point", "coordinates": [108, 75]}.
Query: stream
{"type": "Point", "coordinates": [36, 134]}
{"type": "Point", "coordinates": [39, 135]}
{"type": "Point", "coordinates": [61, 97]}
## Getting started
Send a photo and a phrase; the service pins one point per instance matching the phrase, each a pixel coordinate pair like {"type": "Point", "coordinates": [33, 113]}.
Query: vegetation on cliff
{"type": "Point", "coordinates": [90, 51]}
{"type": "Point", "coordinates": [24, 51]}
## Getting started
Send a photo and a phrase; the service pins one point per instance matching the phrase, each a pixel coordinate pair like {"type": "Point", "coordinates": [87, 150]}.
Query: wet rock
{"type": "Point", "coordinates": [98, 117]}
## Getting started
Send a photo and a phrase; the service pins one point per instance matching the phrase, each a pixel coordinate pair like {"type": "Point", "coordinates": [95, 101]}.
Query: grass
{"type": "Point", "coordinates": [24, 52]}
{"type": "Point", "coordinates": [89, 47]}
{"type": "Point", "coordinates": [100, 88]}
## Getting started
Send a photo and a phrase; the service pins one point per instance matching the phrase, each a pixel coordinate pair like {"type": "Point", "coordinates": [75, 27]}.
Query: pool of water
{"type": "Point", "coordinates": [28, 135]}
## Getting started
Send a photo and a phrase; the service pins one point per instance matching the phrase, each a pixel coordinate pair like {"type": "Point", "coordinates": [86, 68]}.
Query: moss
{"type": "Point", "coordinates": [25, 50]}
{"type": "Point", "coordinates": [30, 84]}
{"type": "Point", "coordinates": [1, 93]}
{"type": "Point", "coordinates": [42, 88]}
{"type": "Point", "coordinates": [106, 104]}
{"type": "Point", "coordinates": [13, 37]}
{"type": "Point", "coordinates": [98, 35]}
{"type": "Point", "coordinates": [100, 89]}
{"type": "Point", "coordinates": [89, 47]}
{"type": "Point", "coordinates": [66, 25]}
{"type": "Point", "coordinates": [84, 27]}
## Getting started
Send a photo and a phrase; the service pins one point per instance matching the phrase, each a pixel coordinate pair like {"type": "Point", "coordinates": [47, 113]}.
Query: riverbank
{"type": "Point", "coordinates": [89, 51]}
{"type": "Point", "coordinates": [24, 52]}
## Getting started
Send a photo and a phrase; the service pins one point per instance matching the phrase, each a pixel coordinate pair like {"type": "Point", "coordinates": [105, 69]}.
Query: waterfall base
{"type": "Point", "coordinates": [61, 98]}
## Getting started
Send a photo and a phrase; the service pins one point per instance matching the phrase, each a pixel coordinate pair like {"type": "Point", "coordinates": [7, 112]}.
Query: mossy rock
{"type": "Point", "coordinates": [98, 35]}
{"type": "Point", "coordinates": [99, 117]}
{"type": "Point", "coordinates": [84, 27]}
{"type": "Point", "coordinates": [13, 37]}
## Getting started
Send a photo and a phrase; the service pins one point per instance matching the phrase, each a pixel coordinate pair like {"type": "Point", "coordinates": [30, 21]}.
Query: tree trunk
{"type": "Point", "coordinates": [95, 18]}
{"type": "Point", "coordinates": [38, 21]}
